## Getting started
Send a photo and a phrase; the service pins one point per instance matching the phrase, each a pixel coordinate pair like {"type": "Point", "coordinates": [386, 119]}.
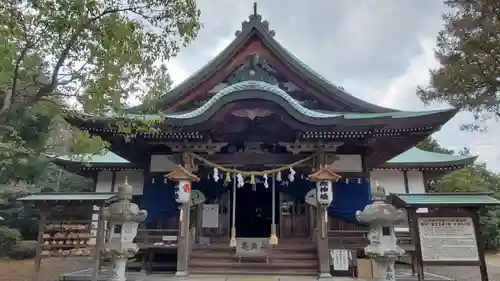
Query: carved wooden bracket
{"type": "Point", "coordinates": [298, 146]}
{"type": "Point", "coordinates": [208, 147]}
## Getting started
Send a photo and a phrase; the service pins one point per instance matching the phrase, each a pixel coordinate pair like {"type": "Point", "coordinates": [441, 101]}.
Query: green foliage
{"type": "Point", "coordinates": [23, 251]}
{"type": "Point", "coordinates": [9, 238]}
{"type": "Point", "coordinates": [469, 53]}
{"type": "Point", "coordinates": [430, 144]}
{"type": "Point", "coordinates": [89, 55]}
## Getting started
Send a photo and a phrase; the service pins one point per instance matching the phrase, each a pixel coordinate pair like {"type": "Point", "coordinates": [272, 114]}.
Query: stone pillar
{"type": "Point", "coordinates": [183, 197]}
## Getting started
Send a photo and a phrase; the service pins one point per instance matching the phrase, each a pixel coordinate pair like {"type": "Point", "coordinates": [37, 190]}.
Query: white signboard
{"type": "Point", "coordinates": [129, 231]}
{"type": "Point", "coordinates": [340, 259]}
{"type": "Point", "coordinates": [447, 239]}
{"type": "Point", "coordinates": [252, 247]}
{"type": "Point", "coordinates": [210, 218]}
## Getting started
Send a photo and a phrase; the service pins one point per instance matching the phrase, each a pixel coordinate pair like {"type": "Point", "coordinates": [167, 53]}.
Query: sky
{"type": "Point", "coordinates": [379, 51]}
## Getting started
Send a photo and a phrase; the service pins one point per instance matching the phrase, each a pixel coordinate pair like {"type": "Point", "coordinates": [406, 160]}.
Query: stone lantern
{"type": "Point", "coordinates": [183, 197]}
{"type": "Point", "coordinates": [381, 216]}
{"type": "Point", "coordinates": [124, 217]}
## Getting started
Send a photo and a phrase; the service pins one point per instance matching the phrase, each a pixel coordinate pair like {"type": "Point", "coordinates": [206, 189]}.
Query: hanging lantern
{"type": "Point", "coordinates": [324, 193]}
{"type": "Point", "coordinates": [183, 191]}
{"type": "Point", "coordinates": [183, 188]}
{"type": "Point", "coordinates": [323, 178]}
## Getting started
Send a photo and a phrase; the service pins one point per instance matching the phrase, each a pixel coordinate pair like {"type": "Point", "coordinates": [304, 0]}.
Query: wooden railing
{"type": "Point", "coordinates": [147, 237]}
{"type": "Point", "coordinates": [357, 239]}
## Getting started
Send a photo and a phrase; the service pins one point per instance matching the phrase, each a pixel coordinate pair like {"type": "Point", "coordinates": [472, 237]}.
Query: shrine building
{"type": "Point", "coordinates": [252, 125]}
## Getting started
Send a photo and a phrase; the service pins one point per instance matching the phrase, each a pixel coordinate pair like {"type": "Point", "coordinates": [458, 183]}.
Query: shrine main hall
{"type": "Point", "coordinates": [252, 127]}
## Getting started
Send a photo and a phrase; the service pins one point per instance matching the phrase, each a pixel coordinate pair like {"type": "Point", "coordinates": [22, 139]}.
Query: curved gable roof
{"type": "Point", "coordinates": [256, 27]}
{"type": "Point", "coordinates": [264, 91]}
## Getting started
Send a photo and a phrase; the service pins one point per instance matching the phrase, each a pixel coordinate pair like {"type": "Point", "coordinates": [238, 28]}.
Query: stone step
{"type": "Point", "coordinates": [229, 255]}
{"type": "Point", "coordinates": [253, 271]}
{"type": "Point", "coordinates": [277, 248]}
{"type": "Point", "coordinates": [253, 263]}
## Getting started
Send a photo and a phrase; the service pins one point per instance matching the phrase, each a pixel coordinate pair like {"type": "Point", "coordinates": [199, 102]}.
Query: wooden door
{"type": "Point", "coordinates": [294, 219]}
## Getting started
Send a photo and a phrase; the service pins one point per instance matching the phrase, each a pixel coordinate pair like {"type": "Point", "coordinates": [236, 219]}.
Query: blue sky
{"type": "Point", "coordinates": [378, 51]}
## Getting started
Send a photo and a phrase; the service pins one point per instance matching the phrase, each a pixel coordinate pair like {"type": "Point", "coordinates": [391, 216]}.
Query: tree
{"type": "Point", "coordinates": [469, 54]}
{"type": "Point", "coordinates": [430, 144]}
{"type": "Point", "coordinates": [96, 54]}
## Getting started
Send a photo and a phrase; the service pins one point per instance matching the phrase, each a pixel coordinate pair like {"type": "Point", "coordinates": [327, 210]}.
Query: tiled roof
{"type": "Point", "coordinates": [412, 156]}
{"type": "Point", "coordinates": [437, 199]}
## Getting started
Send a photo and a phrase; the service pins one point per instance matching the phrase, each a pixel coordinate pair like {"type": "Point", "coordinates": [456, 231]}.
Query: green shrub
{"type": "Point", "coordinates": [22, 252]}
{"type": "Point", "coordinates": [9, 238]}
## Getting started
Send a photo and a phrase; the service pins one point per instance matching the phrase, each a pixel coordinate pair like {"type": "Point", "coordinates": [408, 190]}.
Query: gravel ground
{"type": "Point", "coordinates": [465, 273]}
{"type": "Point", "coordinates": [50, 270]}
{"type": "Point", "coordinates": [469, 273]}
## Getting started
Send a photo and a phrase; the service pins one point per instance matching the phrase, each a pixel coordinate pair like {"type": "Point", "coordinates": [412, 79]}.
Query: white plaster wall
{"type": "Point", "coordinates": [134, 178]}
{"type": "Point", "coordinates": [104, 184]}
{"type": "Point", "coordinates": [416, 182]}
{"type": "Point", "coordinates": [391, 180]}
{"type": "Point", "coordinates": [163, 162]}
{"type": "Point", "coordinates": [345, 163]}
{"type": "Point", "coordinates": [104, 180]}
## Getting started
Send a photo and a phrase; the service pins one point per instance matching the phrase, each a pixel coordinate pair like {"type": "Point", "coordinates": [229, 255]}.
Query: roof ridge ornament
{"type": "Point", "coordinates": [255, 19]}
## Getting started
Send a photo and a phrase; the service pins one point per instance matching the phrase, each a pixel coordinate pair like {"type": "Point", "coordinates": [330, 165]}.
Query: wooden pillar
{"type": "Point", "coordinates": [406, 183]}
{"type": "Point", "coordinates": [199, 222]}
{"type": "Point", "coordinates": [98, 244]}
{"type": "Point", "coordinates": [322, 231]}
{"type": "Point", "coordinates": [480, 249]}
{"type": "Point", "coordinates": [415, 237]}
{"type": "Point", "coordinates": [322, 243]}
{"type": "Point", "coordinates": [39, 244]}
{"type": "Point", "coordinates": [183, 241]}
{"type": "Point", "coordinates": [183, 173]}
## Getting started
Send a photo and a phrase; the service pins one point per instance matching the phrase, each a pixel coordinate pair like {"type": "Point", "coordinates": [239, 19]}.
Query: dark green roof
{"type": "Point", "coordinates": [256, 27]}
{"type": "Point", "coordinates": [442, 199]}
{"type": "Point", "coordinates": [413, 157]}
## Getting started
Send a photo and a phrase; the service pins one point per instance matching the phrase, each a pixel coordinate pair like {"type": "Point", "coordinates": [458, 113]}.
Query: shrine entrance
{"type": "Point", "coordinates": [254, 211]}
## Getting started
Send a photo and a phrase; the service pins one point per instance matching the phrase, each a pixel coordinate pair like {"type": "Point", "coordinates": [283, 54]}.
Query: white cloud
{"type": "Point", "coordinates": [417, 72]}
{"type": "Point", "coordinates": [378, 52]}
{"type": "Point", "coordinates": [176, 71]}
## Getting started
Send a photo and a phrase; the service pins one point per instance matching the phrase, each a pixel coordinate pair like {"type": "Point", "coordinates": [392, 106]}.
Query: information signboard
{"type": "Point", "coordinates": [447, 239]}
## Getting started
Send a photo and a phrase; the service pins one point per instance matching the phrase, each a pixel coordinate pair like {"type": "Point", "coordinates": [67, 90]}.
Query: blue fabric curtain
{"type": "Point", "coordinates": [158, 199]}
{"type": "Point", "coordinates": [297, 189]}
{"type": "Point", "coordinates": [211, 189]}
{"type": "Point", "coordinates": [349, 198]}
{"type": "Point", "coordinates": [158, 196]}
